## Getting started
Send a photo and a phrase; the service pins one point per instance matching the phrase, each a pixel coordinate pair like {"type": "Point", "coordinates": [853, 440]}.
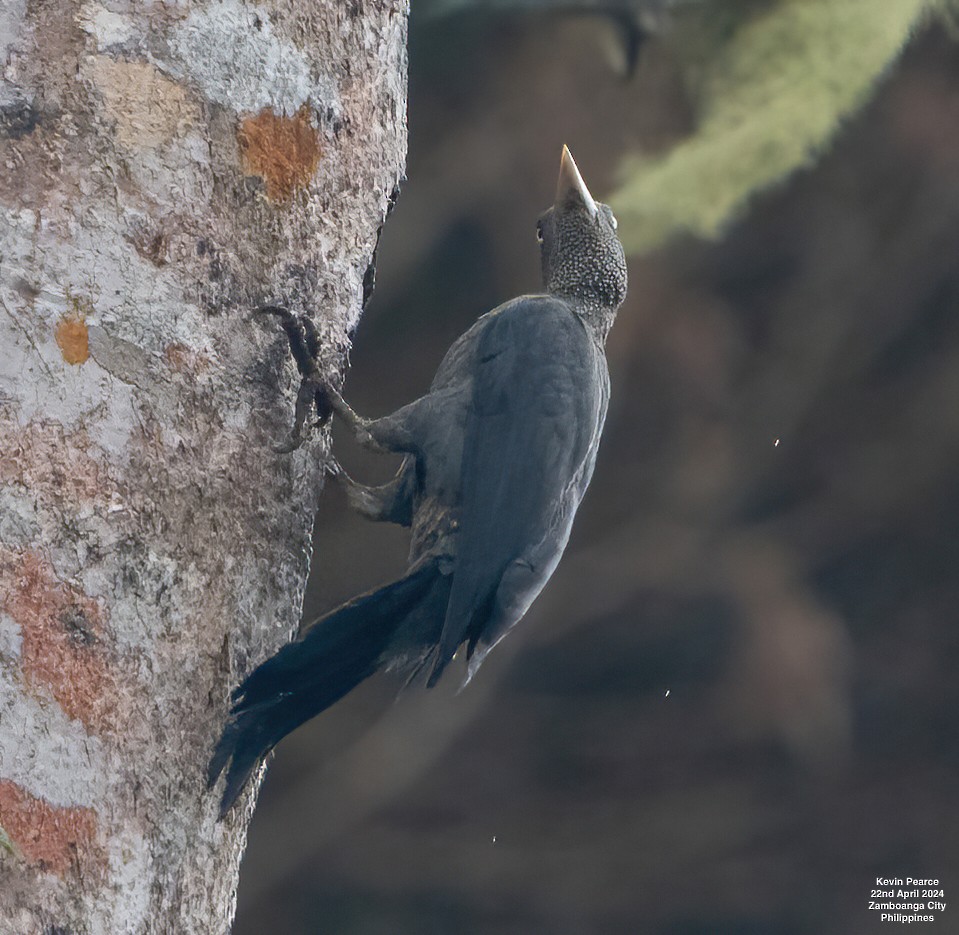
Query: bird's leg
{"type": "Point", "coordinates": [361, 498]}
{"type": "Point", "coordinates": [388, 503]}
{"type": "Point", "coordinates": [359, 426]}
{"type": "Point", "coordinates": [304, 346]}
{"type": "Point", "coordinates": [386, 434]}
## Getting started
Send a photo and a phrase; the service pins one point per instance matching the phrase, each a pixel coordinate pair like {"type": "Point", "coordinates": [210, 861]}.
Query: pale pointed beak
{"type": "Point", "coordinates": [571, 189]}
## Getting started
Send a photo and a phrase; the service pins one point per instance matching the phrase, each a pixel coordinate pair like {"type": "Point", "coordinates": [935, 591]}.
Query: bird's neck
{"type": "Point", "coordinates": [597, 317]}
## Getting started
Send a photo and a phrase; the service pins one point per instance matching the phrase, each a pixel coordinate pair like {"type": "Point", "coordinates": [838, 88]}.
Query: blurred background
{"type": "Point", "coordinates": [735, 704]}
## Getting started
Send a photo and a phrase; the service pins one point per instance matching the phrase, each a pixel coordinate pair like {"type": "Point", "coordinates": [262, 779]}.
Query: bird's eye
{"type": "Point", "coordinates": [539, 232]}
{"type": "Point", "coordinates": [615, 223]}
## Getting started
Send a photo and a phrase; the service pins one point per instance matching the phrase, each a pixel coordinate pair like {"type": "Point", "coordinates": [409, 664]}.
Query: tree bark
{"type": "Point", "coordinates": [163, 170]}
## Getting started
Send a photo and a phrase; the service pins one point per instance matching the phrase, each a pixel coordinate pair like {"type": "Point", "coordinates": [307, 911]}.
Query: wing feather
{"type": "Point", "coordinates": [536, 410]}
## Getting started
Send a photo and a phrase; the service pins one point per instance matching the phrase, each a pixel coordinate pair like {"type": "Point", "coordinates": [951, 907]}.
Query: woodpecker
{"type": "Point", "coordinates": [497, 457]}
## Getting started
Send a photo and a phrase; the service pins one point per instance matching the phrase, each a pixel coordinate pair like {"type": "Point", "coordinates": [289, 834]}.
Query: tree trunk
{"type": "Point", "coordinates": [163, 170]}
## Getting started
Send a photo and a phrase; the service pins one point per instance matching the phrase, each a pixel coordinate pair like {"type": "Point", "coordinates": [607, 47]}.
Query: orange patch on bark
{"type": "Point", "coordinates": [61, 631]}
{"type": "Point", "coordinates": [283, 151]}
{"type": "Point", "coordinates": [73, 338]}
{"type": "Point", "coordinates": [52, 464]}
{"type": "Point", "coordinates": [51, 836]}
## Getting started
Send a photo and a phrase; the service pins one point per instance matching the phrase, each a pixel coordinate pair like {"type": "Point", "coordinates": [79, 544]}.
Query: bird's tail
{"type": "Point", "coordinates": [331, 658]}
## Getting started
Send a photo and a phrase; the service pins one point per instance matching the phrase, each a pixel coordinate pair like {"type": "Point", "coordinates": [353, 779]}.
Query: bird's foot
{"type": "Point", "coordinates": [313, 393]}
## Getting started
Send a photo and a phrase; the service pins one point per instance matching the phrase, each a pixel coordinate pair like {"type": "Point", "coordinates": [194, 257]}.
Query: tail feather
{"type": "Point", "coordinates": [307, 676]}
{"type": "Point", "coordinates": [246, 739]}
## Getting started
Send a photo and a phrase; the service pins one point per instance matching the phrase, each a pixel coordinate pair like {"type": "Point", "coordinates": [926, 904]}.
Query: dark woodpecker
{"type": "Point", "coordinates": [498, 455]}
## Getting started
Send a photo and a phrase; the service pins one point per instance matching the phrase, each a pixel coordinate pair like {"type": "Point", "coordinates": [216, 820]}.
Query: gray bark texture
{"type": "Point", "coordinates": [164, 168]}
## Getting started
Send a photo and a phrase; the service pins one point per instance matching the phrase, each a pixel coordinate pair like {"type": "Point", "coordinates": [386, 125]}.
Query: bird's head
{"type": "Point", "coordinates": [583, 260]}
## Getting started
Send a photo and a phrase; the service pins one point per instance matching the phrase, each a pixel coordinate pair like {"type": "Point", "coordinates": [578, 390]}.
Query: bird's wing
{"type": "Point", "coordinates": [538, 400]}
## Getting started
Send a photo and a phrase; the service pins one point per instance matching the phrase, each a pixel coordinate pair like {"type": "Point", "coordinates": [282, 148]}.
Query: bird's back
{"type": "Point", "coordinates": [536, 406]}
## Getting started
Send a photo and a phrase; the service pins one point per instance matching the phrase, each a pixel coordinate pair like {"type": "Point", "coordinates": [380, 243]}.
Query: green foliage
{"type": "Point", "coordinates": [772, 83]}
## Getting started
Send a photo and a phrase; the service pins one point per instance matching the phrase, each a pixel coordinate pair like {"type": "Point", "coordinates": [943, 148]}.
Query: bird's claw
{"type": "Point", "coordinates": [313, 392]}
{"type": "Point", "coordinates": [322, 400]}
